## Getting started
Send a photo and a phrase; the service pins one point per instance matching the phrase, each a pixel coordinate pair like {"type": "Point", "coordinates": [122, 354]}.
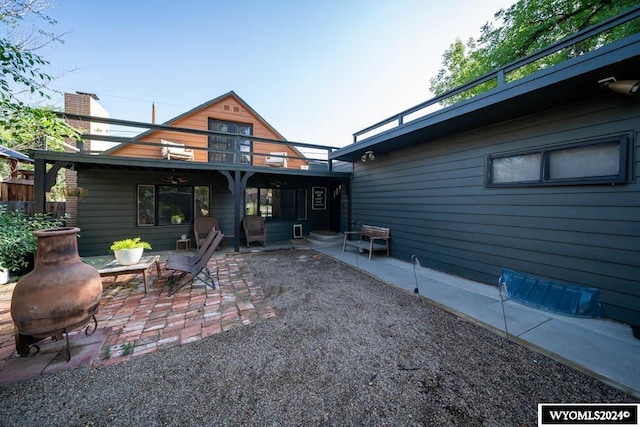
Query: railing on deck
{"type": "Point", "coordinates": [314, 156]}
{"type": "Point", "coordinates": [499, 77]}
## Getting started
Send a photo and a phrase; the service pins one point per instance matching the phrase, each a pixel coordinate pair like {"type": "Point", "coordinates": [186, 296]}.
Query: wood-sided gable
{"type": "Point", "coordinates": [228, 107]}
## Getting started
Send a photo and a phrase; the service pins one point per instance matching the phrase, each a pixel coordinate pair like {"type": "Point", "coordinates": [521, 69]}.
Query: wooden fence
{"type": "Point", "coordinates": [16, 190]}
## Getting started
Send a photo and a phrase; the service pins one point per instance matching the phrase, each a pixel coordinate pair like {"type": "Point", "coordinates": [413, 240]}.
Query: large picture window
{"type": "Point", "coordinates": [595, 162]}
{"type": "Point", "coordinates": [222, 147]}
{"type": "Point", "coordinates": [171, 204]}
{"type": "Point", "coordinates": [276, 204]}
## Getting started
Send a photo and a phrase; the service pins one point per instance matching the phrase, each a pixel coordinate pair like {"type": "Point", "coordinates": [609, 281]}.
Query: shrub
{"type": "Point", "coordinates": [17, 242]}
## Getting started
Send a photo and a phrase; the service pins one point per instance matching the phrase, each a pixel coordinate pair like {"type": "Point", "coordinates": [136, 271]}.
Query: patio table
{"type": "Point", "coordinates": [113, 268]}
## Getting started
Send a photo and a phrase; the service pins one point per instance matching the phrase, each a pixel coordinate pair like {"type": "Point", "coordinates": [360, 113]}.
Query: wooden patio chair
{"type": "Point", "coordinates": [202, 226]}
{"type": "Point", "coordinates": [194, 265]}
{"type": "Point", "coordinates": [254, 229]}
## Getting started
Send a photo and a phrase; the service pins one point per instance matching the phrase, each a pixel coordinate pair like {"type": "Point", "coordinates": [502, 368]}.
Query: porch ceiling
{"type": "Point", "coordinates": [573, 81]}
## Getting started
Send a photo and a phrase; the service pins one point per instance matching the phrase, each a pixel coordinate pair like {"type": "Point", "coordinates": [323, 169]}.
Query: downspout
{"type": "Point", "coordinates": [350, 196]}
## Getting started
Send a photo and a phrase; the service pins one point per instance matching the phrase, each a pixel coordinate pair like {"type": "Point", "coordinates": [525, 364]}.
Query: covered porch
{"type": "Point", "coordinates": [158, 199]}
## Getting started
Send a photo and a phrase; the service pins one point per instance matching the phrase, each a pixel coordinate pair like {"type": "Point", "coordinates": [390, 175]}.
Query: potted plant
{"type": "Point", "coordinates": [177, 219]}
{"type": "Point", "coordinates": [129, 251]}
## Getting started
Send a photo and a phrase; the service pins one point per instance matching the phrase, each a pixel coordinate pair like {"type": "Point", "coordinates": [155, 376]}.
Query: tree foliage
{"type": "Point", "coordinates": [522, 29]}
{"type": "Point", "coordinates": [24, 126]}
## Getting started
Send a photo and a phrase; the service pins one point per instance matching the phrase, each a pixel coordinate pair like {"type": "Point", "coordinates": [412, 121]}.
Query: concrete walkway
{"type": "Point", "coordinates": [603, 349]}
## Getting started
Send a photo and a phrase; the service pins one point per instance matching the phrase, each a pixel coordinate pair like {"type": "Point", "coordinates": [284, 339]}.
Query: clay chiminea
{"type": "Point", "coordinates": [60, 294]}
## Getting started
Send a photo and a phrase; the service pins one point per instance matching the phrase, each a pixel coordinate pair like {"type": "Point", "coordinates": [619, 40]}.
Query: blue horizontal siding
{"type": "Point", "coordinates": [433, 198]}
{"type": "Point", "coordinates": [108, 212]}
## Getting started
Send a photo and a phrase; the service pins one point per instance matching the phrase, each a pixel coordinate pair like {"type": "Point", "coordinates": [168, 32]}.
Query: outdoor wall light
{"type": "Point", "coordinates": [368, 155]}
{"type": "Point", "coordinates": [625, 87]}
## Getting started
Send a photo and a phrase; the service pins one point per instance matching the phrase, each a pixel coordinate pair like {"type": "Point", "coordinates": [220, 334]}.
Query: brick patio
{"type": "Point", "coordinates": [135, 323]}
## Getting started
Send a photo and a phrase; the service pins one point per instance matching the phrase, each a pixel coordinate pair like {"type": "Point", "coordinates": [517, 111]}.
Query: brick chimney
{"type": "Point", "coordinates": [77, 103]}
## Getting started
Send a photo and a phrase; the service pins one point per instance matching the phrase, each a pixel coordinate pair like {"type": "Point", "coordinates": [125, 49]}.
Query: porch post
{"type": "Point", "coordinates": [39, 192]}
{"type": "Point", "coordinates": [236, 208]}
{"type": "Point", "coordinates": [42, 182]}
{"type": "Point", "coordinates": [237, 185]}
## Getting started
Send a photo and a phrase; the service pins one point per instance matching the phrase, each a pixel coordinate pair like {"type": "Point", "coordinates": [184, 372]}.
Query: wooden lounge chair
{"type": "Point", "coordinates": [202, 227]}
{"type": "Point", "coordinates": [254, 229]}
{"type": "Point", "coordinates": [195, 265]}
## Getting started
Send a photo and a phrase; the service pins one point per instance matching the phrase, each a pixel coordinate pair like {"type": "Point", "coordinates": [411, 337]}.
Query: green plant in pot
{"type": "Point", "coordinates": [129, 251]}
{"type": "Point", "coordinates": [177, 219]}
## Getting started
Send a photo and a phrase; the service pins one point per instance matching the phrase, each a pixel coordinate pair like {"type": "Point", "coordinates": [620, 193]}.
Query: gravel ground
{"type": "Point", "coordinates": [344, 349]}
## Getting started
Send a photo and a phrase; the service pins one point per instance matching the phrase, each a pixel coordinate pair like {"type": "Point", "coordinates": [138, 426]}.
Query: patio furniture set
{"type": "Point", "coordinates": [208, 238]}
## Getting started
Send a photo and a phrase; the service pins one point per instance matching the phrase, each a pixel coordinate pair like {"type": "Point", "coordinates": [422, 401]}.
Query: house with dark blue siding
{"type": "Point", "coordinates": [220, 159]}
{"type": "Point", "coordinates": [538, 175]}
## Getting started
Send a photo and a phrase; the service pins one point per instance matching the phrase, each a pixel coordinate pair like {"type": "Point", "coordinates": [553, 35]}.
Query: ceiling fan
{"type": "Point", "coordinates": [277, 183]}
{"type": "Point", "coordinates": [174, 179]}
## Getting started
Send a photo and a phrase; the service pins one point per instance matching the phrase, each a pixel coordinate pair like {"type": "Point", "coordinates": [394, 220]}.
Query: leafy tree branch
{"type": "Point", "coordinates": [522, 29]}
{"type": "Point", "coordinates": [24, 126]}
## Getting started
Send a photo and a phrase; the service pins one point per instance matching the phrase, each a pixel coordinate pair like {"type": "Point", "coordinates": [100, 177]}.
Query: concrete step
{"type": "Point", "coordinates": [325, 238]}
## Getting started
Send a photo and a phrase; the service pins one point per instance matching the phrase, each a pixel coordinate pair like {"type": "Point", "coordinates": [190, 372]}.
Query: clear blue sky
{"type": "Point", "coordinates": [317, 71]}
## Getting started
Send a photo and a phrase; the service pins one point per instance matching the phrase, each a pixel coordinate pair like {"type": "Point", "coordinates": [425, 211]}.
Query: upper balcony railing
{"type": "Point", "coordinates": [159, 141]}
{"type": "Point", "coordinates": [498, 78]}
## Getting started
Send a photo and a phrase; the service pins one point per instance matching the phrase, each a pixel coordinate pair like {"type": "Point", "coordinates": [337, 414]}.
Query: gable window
{"type": "Point", "coordinates": [276, 204]}
{"type": "Point", "coordinates": [222, 148]}
{"type": "Point", "coordinates": [602, 161]}
{"type": "Point", "coordinates": [160, 205]}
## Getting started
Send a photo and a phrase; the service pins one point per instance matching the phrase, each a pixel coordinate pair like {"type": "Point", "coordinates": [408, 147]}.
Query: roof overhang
{"type": "Point", "coordinates": [84, 162]}
{"type": "Point", "coordinates": [572, 81]}
{"type": "Point", "coordinates": [12, 154]}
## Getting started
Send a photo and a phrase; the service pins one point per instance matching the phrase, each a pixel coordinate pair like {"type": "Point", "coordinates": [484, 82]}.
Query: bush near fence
{"type": "Point", "coordinates": [55, 209]}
